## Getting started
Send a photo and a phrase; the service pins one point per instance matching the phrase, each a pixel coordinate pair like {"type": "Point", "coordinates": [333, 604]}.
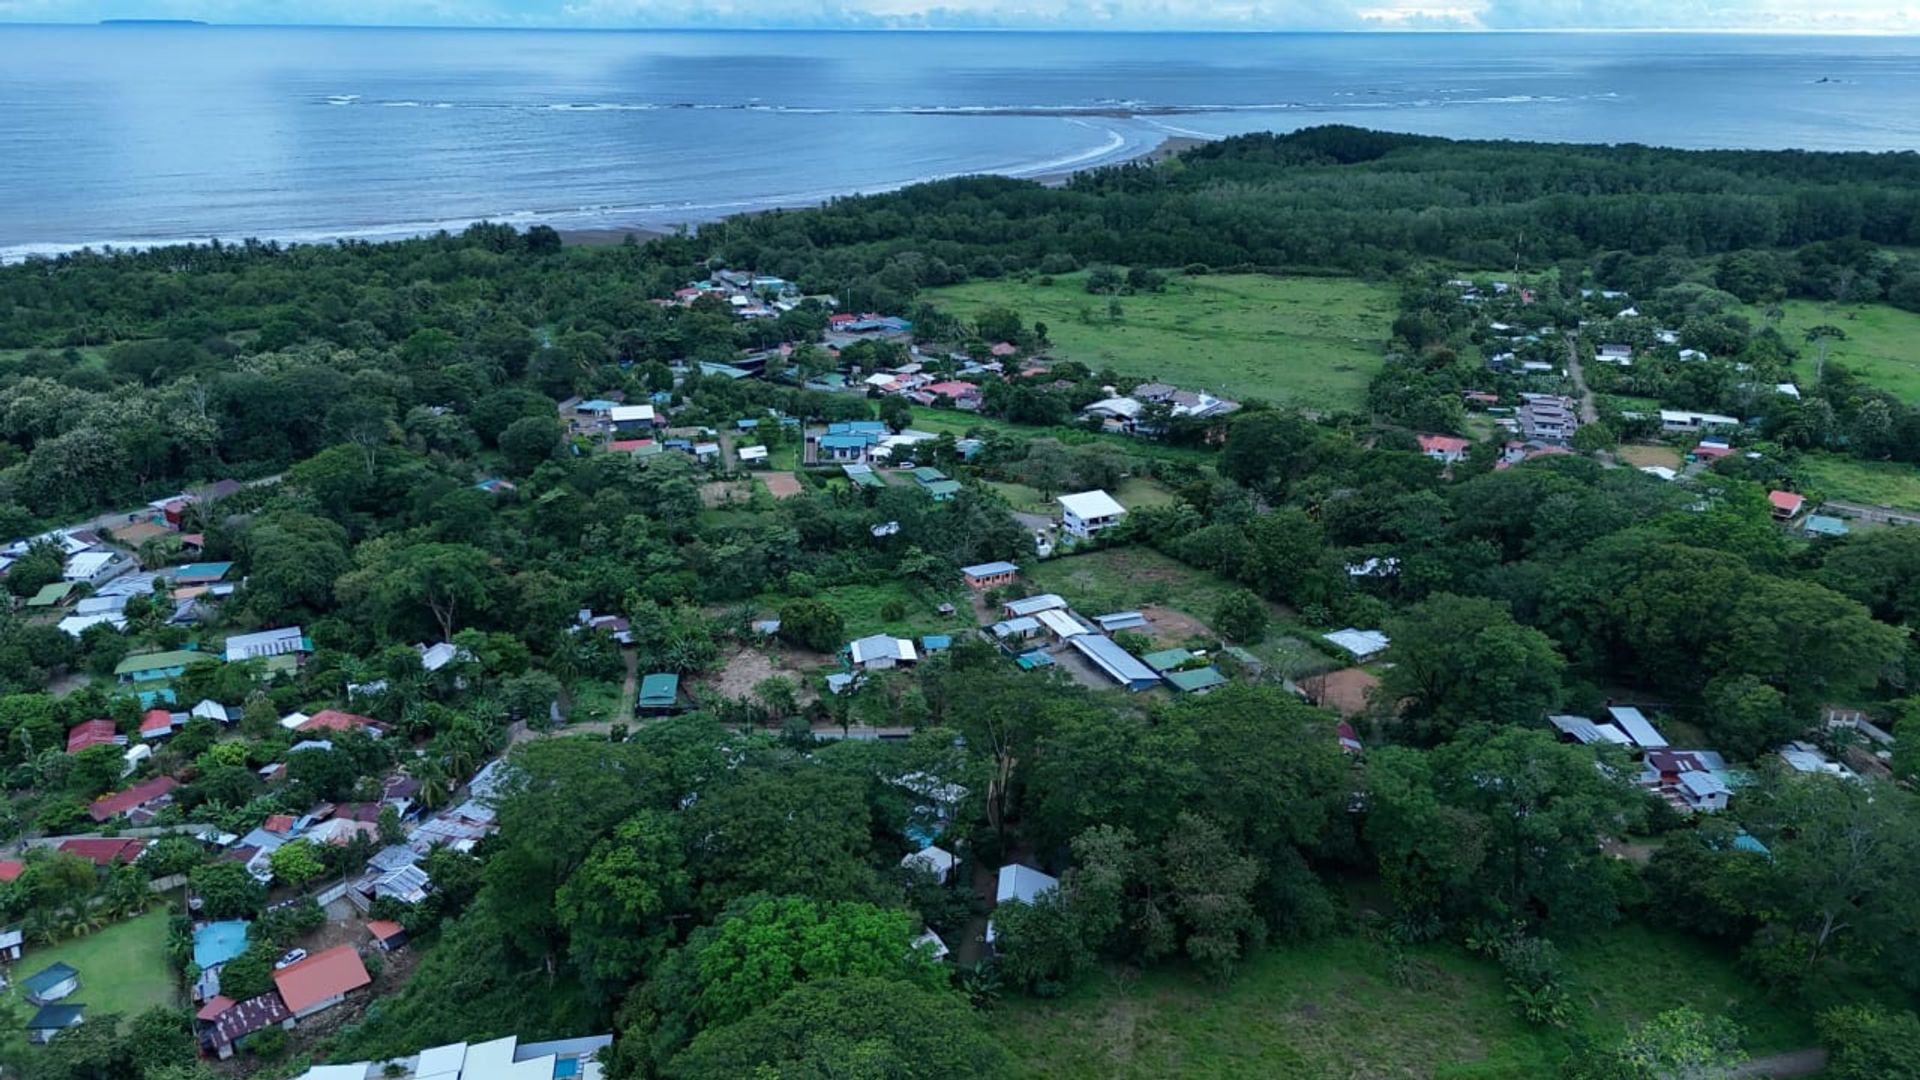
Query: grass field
{"type": "Point", "coordinates": [123, 969]}
{"type": "Point", "coordinates": [1882, 345]}
{"type": "Point", "coordinates": [1125, 578]}
{"type": "Point", "coordinates": [1643, 456]}
{"type": "Point", "coordinates": [862, 608]}
{"type": "Point", "coordinates": [1133, 493]}
{"type": "Point", "coordinates": [1883, 483]}
{"type": "Point", "coordinates": [958, 424]}
{"type": "Point", "coordinates": [1334, 1009]}
{"type": "Point", "coordinates": [1312, 342]}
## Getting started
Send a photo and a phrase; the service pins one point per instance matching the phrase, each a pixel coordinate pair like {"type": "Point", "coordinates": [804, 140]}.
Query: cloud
{"type": "Point", "coordinates": [1839, 16]}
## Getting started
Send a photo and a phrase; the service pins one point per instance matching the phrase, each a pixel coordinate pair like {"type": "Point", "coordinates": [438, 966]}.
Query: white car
{"type": "Point", "coordinates": [289, 958]}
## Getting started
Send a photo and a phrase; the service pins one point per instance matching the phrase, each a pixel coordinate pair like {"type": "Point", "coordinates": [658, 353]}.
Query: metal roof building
{"type": "Point", "coordinates": [1115, 662]}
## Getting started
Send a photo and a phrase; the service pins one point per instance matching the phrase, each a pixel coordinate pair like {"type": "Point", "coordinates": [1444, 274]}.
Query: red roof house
{"type": "Point", "coordinates": [279, 824]}
{"type": "Point", "coordinates": [236, 1020]}
{"type": "Point", "coordinates": [321, 981]}
{"type": "Point", "coordinates": [156, 723]}
{"type": "Point", "coordinates": [142, 794]}
{"type": "Point", "coordinates": [1443, 447]}
{"type": "Point", "coordinates": [336, 720]}
{"type": "Point", "coordinates": [1785, 504]}
{"type": "Point", "coordinates": [107, 852]}
{"type": "Point", "coordinates": [1004, 348]}
{"type": "Point", "coordinates": [90, 733]}
{"type": "Point", "coordinates": [11, 869]}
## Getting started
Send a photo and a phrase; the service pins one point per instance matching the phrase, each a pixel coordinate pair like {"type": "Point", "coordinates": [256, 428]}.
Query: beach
{"type": "Point", "coordinates": [1172, 146]}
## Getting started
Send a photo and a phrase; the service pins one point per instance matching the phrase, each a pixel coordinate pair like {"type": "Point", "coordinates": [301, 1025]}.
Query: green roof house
{"type": "Point", "coordinates": [51, 1020]}
{"type": "Point", "coordinates": [1196, 681]}
{"type": "Point", "coordinates": [53, 595]}
{"type": "Point", "coordinates": [1166, 659]}
{"type": "Point", "coordinates": [150, 667]}
{"type": "Point", "coordinates": [659, 693]}
{"type": "Point", "coordinates": [51, 983]}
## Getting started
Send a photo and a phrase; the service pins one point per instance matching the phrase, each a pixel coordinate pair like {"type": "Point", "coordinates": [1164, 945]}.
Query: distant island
{"type": "Point", "coordinates": [151, 22]}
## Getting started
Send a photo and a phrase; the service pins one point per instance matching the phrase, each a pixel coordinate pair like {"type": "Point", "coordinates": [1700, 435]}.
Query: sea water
{"type": "Point", "coordinates": [143, 134]}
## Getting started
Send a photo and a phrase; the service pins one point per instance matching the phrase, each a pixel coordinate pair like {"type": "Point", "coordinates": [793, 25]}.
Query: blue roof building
{"type": "Point", "coordinates": [857, 427]}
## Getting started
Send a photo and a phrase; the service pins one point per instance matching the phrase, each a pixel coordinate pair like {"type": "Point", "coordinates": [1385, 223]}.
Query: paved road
{"type": "Point", "coordinates": [1588, 414]}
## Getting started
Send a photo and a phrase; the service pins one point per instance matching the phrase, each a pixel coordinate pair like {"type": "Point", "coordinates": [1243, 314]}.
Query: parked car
{"type": "Point", "coordinates": [290, 957]}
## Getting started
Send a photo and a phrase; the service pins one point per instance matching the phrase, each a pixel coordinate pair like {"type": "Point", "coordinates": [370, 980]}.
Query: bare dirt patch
{"type": "Point", "coordinates": [1345, 691]}
{"type": "Point", "coordinates": [1642, 456]}
{"type": "Point", "coordinates": [747, 668]}
{"type": "Point", "coordinates": [1168, 623]}
{"type": "Point", "coordinates": [781, 485]}
{"type": "Point", "coordinates": [717, 492]}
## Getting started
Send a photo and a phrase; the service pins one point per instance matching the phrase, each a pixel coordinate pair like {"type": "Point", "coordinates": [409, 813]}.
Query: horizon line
{"type": "Point", "coordinates": [200, 24]}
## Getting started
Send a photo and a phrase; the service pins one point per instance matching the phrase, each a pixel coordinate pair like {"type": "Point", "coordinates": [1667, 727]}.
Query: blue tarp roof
{"type": "Point", "coordinates": [935, 642]}
{"type": "Point", "coordinates": [857, 427]}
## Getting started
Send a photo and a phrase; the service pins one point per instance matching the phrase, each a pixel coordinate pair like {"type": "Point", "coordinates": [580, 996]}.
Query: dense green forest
{"type": "Point", "coordinates": [724, 890]}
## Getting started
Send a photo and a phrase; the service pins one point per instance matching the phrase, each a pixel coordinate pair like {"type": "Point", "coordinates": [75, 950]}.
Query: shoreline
{"type": "Point", "coordinates": [610, 235]}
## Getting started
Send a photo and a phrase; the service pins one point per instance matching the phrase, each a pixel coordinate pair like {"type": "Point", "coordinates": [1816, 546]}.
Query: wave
{"type": "Point", "coordinates": [1104, 109]}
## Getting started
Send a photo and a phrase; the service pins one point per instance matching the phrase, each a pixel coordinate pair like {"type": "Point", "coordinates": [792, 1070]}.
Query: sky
{"type": "Point", "coordinates": [1778, 16]}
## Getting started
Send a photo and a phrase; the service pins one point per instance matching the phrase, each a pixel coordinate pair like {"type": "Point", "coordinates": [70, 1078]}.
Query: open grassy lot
{"type": "Point", "coordinates": [1640, 456]}
{"type": "Point", "coordinates": [1312, 342]}
{"type": "Point", "coordinates": [958, 423]}
{"type": "Point", "coordinates": [864, 609]}
{"type": "Point", "coordinates": [1128, 578]}
{"type": "Point", "coordinates": [1883, 483]}
{"type": "Point", "coordinates": [1135, 492]}
{"type": "Point", "coordinates": [1337, 1009]}
{"type": "Point", "coordinates": [123, 969]}
{"type": "Point", "coordinates": [1882, 345]}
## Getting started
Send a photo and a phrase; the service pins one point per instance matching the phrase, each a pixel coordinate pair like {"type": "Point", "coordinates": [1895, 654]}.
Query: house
{"type": "Point", "coordinates": [1660, 472]}
{"type": "Point", "coordinates": [941, 490]}
{"type": "Point", "coordinates": [1089, 512]}
{"type": "Point", "coordinates": [1018, 629]}
{"type": "Point", "coordinates": [1020, 884]}
{"type": "Point", "coordinates": [933, 643]}
{"type": "Point", "coordinates": [845, 447]}
{"type": "Point", "coordinates": [499, 1059]}
{"type": "Point", "coordinates": [1804, 757]}
{"type": "Point", "coordinates": [147, 795]}
{"type": "Point", "coordinates": [936, 861]}
{"type": "Point", "coordinates": [659, 693]}
{"type": "Point", "coordinates": [1704, 792]}
{"type": "Point", "coordinates": [407, 884]}
{"type": "Point", "coordinates": [200, 573]}
{"type": "Point", "coordinates": [52, 594]}
{"type": "Point", "coordinates": [1584, 731]}
{"type": "Point", "coordinates": [1445, 449]}
{"type": "Point", "coordinates": [753, 455]}
{"type": "Point", "coordinates": [226, 1022]}
{"type": "Point", "coordinates": [1786, 504]}
{"type": "Point", "coordinates": [387, 935]}
{"type": "Point", "coordinates": [1617, 355]}
{"type": "Point", "coordinates": [337, 720]}
{"type": "Point", "coordinates": [1033, 605]}
{"type": "Point", "coordinates": [1115, 662]}
{"type": "Point", "coordinates": [989, 575]}
{"type": "Point", "coordinates": [1166, 659]}
{"type": "Point", "coordinates": [12, 938]}
{"type": "Point", "coordinates": [1362, 644]}
{"type": "Point", "coordinates": [879, 652]}
{"type": "Point", "coordinates": [50, 984]}
{"type": "Point", "coordinates": [1120, 412]}
{"type": "Point", "coordinates": [1196, 680]}
{"type": "Point", "coordinates": [321, 981]}
{"type": "Point", "coordinates": [1680, 420]}
{"type": "Point", "coordinates": [105, 853]}
{"type": "Point", "coordinates": [627, 418]}
{"type": "Point", "coordinates": [863, 476]}
{"type": "Point", "coordinates": [159, 666]}
{"type": "Point", "coordinates": [10, 871]}
{"type": "Point", "coordinates": [159, 723]}
{"type": "Point", "coordinates": [1120, 620]}
{"type": "Point", "coordinates": [90, 733]}
{"type": "Point", "coordinates": [1547, 418]}
{"type": "Point", "coordinates": [216, 712]}
{"type": "Point", "coordinates": [1634, 723]}
{"type": "Point", "coordinates": [51, 1020]}
{"type": "Point", "coordinates": [96, 567]}
{"type": "Point", "coordinates": [286, 641]}
{"type": "Point", "coordinates": [930, 941]}
{"type": "Point", "coordinates": [1059, 623]}
{"type": "Point", "coordinates": [964, 395]}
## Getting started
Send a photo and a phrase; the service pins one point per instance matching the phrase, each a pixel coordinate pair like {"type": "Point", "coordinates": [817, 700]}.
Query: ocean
{"type": "Point", "coordinates": [145, 134]}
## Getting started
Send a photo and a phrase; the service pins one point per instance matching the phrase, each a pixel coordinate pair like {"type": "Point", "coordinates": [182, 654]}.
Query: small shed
{"type": "Point", "coordinates": [51, 984]}
{"type": "Point", "coordinates": [51, 1020]}
{"type": "Point", "coordinates": [936, 861]}
{"type": "Point", "coordinates": [659, 693]}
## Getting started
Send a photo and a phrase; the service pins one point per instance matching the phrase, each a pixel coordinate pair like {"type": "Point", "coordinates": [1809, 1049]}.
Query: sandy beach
{"type": "Point", "coordinates": [617, 234]}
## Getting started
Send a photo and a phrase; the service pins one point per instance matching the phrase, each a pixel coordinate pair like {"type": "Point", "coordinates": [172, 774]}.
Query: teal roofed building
{"type": "Point", "coordinates": [1196, 680]}
{"type": "Point", "coordinates": [659, 693]}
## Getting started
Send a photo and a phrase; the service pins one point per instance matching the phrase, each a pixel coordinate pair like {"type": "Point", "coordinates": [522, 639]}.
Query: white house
{"type": "Point", "coordinates": [936, 861]}
{"type": "Point", "coordinates": [1681, 420]}
{"type": "Point", "coordinates": [95, 567]}
{"type": "Point", "coordinates": [1019, 884]}
{"type": "Point", "coordinates": [279, 642]}
{"type": "Point", "coordinates": [1089, 512]}
{"type": "Point", "coordinates": [879, 652]}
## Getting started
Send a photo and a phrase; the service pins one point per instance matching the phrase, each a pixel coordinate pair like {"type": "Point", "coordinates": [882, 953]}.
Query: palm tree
{"type": "Point", "coordinates": [432, 777]}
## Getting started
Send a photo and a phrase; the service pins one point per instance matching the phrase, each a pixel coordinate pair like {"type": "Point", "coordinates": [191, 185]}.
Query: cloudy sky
{"type": "Point", "coordinates": [1834, 16]}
